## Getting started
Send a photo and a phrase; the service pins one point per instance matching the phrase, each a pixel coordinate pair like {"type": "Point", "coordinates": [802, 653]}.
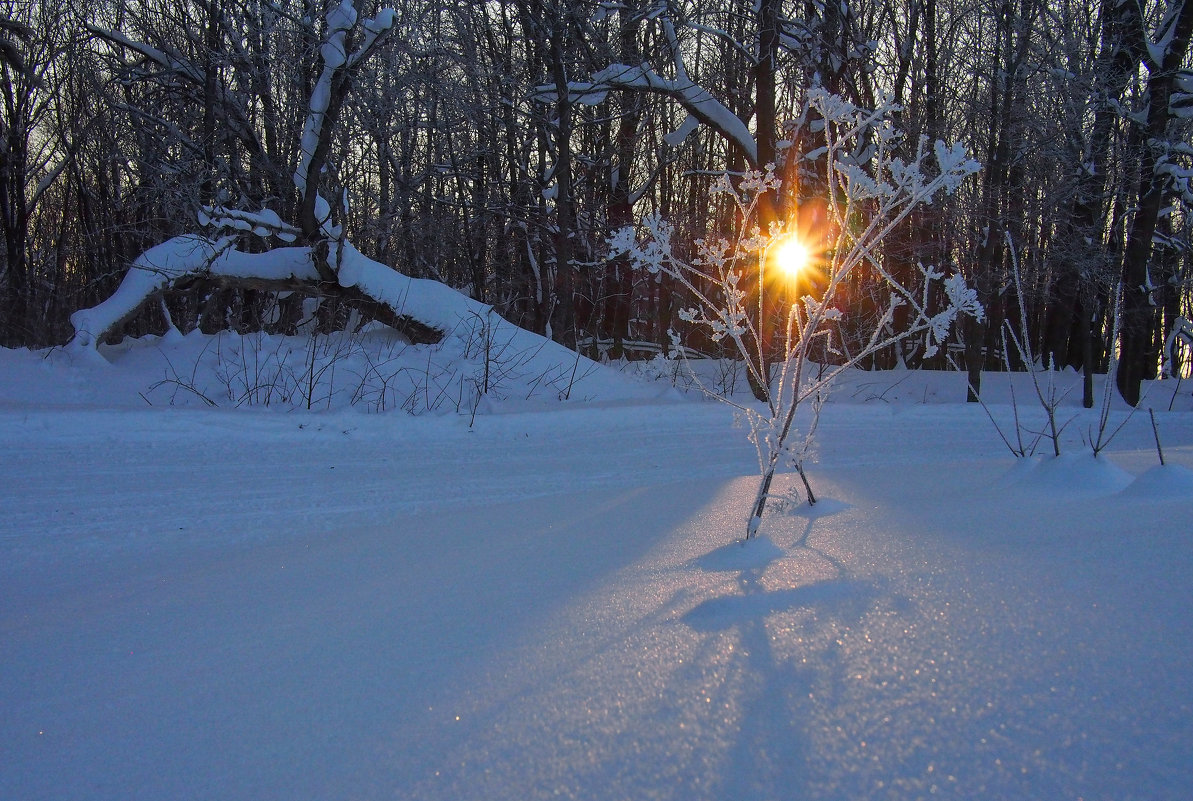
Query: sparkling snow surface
{"type": "Point", "coordinates": [246, 604]}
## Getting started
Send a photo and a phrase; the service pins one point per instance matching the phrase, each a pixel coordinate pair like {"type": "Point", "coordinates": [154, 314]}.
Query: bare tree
{"type": "Point", "coordinates": [34, 152]}
{"type": "Point", "coordinates": [1140, 344]}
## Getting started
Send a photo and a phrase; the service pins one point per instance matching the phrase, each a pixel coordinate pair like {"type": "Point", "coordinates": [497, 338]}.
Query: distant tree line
{"type": "Point", "coordinates": [495, 146]}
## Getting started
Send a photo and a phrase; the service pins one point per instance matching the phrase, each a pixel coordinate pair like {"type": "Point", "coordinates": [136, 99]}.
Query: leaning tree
{"type": "Point", "coordinates": [317, 259]}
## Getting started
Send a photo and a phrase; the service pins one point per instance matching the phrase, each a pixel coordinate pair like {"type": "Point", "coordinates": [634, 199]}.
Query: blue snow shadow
{"type": "Point", "coordinates": [718, 614]}
{"type": "Point", "coordinates": [755, 554]}
{"type": "Point", "coordinates": [750, 559]}
{"type": "Point", "coordinates": [822, 508]}
{"type": "Point", "coordinates": [777, 687]}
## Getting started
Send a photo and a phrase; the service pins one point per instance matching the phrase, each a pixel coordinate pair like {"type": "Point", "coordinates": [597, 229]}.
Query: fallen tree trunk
{"type": "Point", "coordinates": [369, 286]}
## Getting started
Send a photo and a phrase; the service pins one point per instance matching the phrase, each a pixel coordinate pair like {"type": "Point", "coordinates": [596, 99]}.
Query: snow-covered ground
{"type": "Point", "coordinates": [543, 600]}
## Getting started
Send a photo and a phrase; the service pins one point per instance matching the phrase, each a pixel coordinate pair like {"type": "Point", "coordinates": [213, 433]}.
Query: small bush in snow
{"type": "Point", "coordinates": [870, 189]}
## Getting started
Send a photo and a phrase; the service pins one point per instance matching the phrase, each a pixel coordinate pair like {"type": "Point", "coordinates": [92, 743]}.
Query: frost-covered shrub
{"type": "Point", "coordinates": [872, 184]}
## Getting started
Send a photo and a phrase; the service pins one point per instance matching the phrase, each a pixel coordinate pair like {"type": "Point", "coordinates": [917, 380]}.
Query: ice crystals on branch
{"type": "Point", "coordinates": [813, 307]}
{"type": "Point", "coordinates": [649, 253]}
{"type": "Point", "coordinates": [861, 186]}
{"type": "Point", "coordinates": [962, 297]}
{"type": "Point", "coordinates": [751, 185]}
{"type": "Point", "coordinates": [906, 177]}
{"type": "Point", "coordinates": [955, 165]}
{"type": "Point", "coordinates": [622, 241]}
{"type": "Point", "coordinates": [835, 109]}
{"type": "Point", "coordinates": [872, 186]}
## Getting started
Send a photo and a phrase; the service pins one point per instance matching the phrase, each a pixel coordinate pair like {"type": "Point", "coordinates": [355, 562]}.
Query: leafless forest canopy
{"type": "Point", "coordinates": [495, 146]}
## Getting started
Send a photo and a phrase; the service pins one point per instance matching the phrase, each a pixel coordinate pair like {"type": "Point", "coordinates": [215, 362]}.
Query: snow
{"type": "Point", "coordinates": [1163, 481]}
{"type": "Point", "coordinates": [546, 599]}
{"type": "Point", "coordinates": [262, 223]}
{"type": "Point", "coordinates": [685, 129]}
{"type": "Point", "coordinates": [340, 20]}
{"type": "Point", "coordinates": [434, 303]}
{"type": "Point", "coordinates": [374, 29]}
{"type": "Point", "coordinates": [157, 267]}
{"type": "Point", "coordinates": [696, 100]}
{"type": "Point", "coordinates": [1070, 474]}
{"type": "Point", "coordinates": [170, 61]}
{"type": "Point", "coordinates": [492, 351]}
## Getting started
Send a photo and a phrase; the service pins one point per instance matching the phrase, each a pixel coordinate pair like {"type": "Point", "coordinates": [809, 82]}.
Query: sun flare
{"type": "Point", "coordinates": [792, 257]}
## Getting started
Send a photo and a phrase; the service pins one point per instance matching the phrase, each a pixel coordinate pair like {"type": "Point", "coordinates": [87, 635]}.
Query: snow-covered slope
{"type": "Point", "coordinates": [481, 358]}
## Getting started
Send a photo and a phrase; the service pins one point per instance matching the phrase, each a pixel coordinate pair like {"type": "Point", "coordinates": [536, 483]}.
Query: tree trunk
{"type": "Point", "coordinates": [768, 299]}
{"type": "Point", "coordinates": [563, 312]}
{"type": "Point", "coordinates": [1075, 294]}
{"type": "Point", "coordinates": [1139, 356]}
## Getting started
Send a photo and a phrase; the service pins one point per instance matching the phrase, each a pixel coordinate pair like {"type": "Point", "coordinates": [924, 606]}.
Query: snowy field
{"type": "Point", "coordinates": [521, 597]}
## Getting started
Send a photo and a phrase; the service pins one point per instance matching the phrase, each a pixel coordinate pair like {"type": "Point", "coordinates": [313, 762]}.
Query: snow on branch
{"type": "Point", "coordinates": [375, 29]}
{"type": "Point", "coordinates": [337, 61]}
{"type": "Point", "coordinates": [170, 61]}
{"type": "Point", "coordinates": [701, 106]}
{"type": "Point", "coordinates": [1159, 47]}
{"type": "Point", "coordinates": [229, 109]}
{"type": "Point", "coordinates": [1182, 333]}
{"type": "Point", "coordinates": [872, 186]}
{"type": "Point", "coordinates": [694, 99]}
{"type": "Point", "coordinates": [340, 20]}
{"type": "Point", "coordinates": [178, 258]}
{"type": "Point", "coordinates": [262, 223]}
{"type": "Point", "coordinates": [697, 101]}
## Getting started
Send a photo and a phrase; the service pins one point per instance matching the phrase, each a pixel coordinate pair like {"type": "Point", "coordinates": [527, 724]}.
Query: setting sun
{"type": "Point", "coordinates": [792, 257]}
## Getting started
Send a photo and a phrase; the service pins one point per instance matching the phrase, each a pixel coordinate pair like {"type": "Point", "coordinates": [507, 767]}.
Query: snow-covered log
{"type": "Point", "coordinates": [423, 311]}
{"type": "Point", "coordinates": [419, 315]}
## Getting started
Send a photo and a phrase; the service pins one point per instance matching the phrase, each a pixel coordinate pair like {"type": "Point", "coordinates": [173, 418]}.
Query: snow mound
{"type": "Point", "coordinates": [1162, 482]}
{"type": "Point", "coordinates": [482, 360]}
{"type": "Point", "coordinates": [1067, 474]}
{"type": "Point", "coordinates": [482, 365]}
{"type": "Point", "coordinates": [477, 369]}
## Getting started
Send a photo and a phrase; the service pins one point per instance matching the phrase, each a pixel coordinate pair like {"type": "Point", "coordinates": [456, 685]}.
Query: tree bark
{"type": "Point", "coordinates": [1139, 354]}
